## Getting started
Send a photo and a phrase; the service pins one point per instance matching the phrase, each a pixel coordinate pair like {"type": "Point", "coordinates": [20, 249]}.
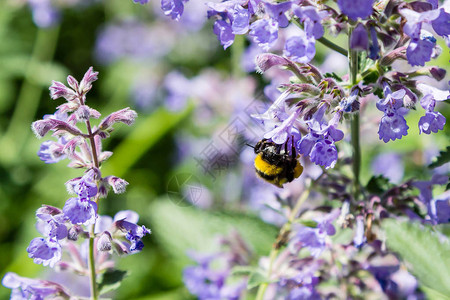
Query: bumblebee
{"type": "Point", "coordinates": [274, 164]}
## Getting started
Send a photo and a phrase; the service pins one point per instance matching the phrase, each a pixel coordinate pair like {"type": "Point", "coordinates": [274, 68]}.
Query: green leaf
{"type": "Point", "coordinates": [444, 157]}
{"type": "Point", "coordinates": [378, 184]}
{"type": "Point", "coordinates": [255, 279]}
{"type": "Point", "coordinates": [421, 248]}
{"type": "Point", "coordinates": [181, 228]}
{"type": "Point", "coordinates": [308, 223]}
{"type": "Point", "coordinates": [111, 280]}
{"type": "Point", "coordinates": [433, 294]}
{"type": "Point", "coordinates": [243, 270]}
{"type": "Point", "coordinates": [334, 76]}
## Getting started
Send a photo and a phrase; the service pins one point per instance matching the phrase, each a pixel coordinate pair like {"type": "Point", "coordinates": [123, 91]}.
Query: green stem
{"type": "Point", "coordinates": [324, 41]}
{"type": "Point", "coordinates": [333, 46]}
{"type": "Point", "coordinates": [28, 99]}
{"type": "Point", "coordinates": [356, 149]}
{"type": "Point", "coordinates": [236, 54]}
{"type": "Point", "coordinates": [275, 249]}
{"type": "Point", "coordinates": [92, 273]}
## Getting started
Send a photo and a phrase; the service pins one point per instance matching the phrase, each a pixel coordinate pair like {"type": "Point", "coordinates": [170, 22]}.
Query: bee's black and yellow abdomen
{"type": "Point", "coordinates": [265, 168]}
{"type": "Point", "coordinates": [277, 169]}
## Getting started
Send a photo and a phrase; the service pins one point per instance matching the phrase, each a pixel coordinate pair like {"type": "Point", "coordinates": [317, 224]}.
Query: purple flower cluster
{"type": "Point", "coordinates": [60, 227]}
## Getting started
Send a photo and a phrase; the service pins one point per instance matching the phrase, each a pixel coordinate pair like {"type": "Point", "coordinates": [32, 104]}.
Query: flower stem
{"type": "Point", "coordinates": [276, 247]}
{"type": "Point", "coordinates": [333, 46]}
{"type": "Point", "coordinates": [92, 273]}
{"type": "Point", "coordinates": [354, 125]}
{"type": "Point", "coordinates": [324, 41]}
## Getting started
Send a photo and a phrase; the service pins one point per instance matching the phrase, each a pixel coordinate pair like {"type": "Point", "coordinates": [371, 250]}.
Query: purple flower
{"type": "Point", "coordinates": [52, 225]}
{"type": "Point", "coordinates": [359, 39]}
{"type": "Point", "coordinates": [311, 19]}
{"type": "Point", "coordinates": [133, 233]}
{"type": "Point", "coordinates": [80, 211]}
{"type": "Point", "coordinates": [44, 251]}
{"type": "Point", "coordinates": [241, 18]}
{"type": "Point", "coordinates": [206, 283]}
{"type": "Point", "coordinates": [34, 289]}
{"type": "Point", "coordinates": [390, 165]}
{"type": "Point", "coordinates": [319, 142]}
{"type": "Point", "coordinates": [355, 9]}
{"type": "Point", "coordinates": [300, 48]}
{"type": "Point", "coordinates": [52, 152]}
{"type": "Point", "coordinates": [314, 238]}
{"type": "Point", "coordinates": [426, 197]}
{"type": "Point", "coordinates": [173, 8]}
{"type": "Point", "coordinates": [224, 33]}
{"type": "Point", "coordinates": [178, 90]}
{"type": "Point", "coordinates": [280, 134]}
{"type": "Point", "coordinates": [442, 204]}
{"type": "Point", "coordinates": [264, 33]}
{"type": "Point", "coordinates": [359, 239]}
{"type": "Point", "coordinates": [45, 14]}
{"type": "Point", "coordinates": [419, 51]}
{"type": "Point", "coordinates": [141, 1]}
{"type": "Point", "coordinates": [393, 124]}
{"type": "Point", "coordinates": [432, 121]}
{"type": "Point", "coordinates": [277, 12]}
{"type": "Point", "coordinates": [249, 57]}
{"type": "Point", "coordinates": [442, 23]}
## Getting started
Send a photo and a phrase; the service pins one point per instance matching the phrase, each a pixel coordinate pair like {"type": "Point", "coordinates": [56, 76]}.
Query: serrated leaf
{"type": "Point", "coordinates": [111, 280]}
{"type": "Point", "coordinates": [421, 248]}
{"type": "Point", "coordinates": [444, 157]}
{"type": "Point", "coordinates": [378, 184]}
{"type": "Point", "coordinates": [255, 279]}
{"type": "Point", "coordinates": [334, 76]}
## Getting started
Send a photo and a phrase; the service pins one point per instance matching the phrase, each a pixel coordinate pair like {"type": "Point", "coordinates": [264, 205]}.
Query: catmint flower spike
{"type": "Point", "coordinates": [86, 83]}
{"type": "Point", "coordinates": [125, 115]}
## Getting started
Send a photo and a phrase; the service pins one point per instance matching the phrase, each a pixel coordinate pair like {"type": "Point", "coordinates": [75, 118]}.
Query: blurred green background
{"type": "Point", "coordinates": [145, 154]}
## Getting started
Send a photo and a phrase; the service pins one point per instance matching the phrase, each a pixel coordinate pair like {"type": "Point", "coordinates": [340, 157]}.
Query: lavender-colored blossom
{"type": "Point", "coordinates": [393, 124]}
{"type": "Point", "coordinates": [33, 289]}
{"type": "Point", "coordinates": [311, 19]}
{"type": "Point", "coordinates": [173, 8]}
{"type": "Point", "coordinates": [441, 24]}
{"type": "Point", "coordinates": [277, 12]}
{"type": "Point", "coordinates": [318, 144]}
{"type": "Point", "coordinates": [44, 251]}
{"type": "Point", "coordinates": [45, 14]}
{"type": "Point", "coordinates": [264, 33]}
{"type": "Point", "coordinates": [442, 204]}
{"type": "Point", "coordinates": [80, 211]}
{"type": "Point", "coordinates": [178, 90]}
{"type": "Point", "coordinates": [300, 48]}
{"type": "Point", "coordinates": [281, 133]}
{"type": "Point", "coordinates": [134, 233]}
{"type": "Point", "coordinates": [206, 283]}
{"type": "Point", "coordinates": [433, 121]}
{"type": "Point", "coordinates": [52, 152]}
{"type": "Point", "coordinates": [52, 226]}
{"type": "Point", "coordinates": [426, 196]}
{"type": "Point", "coordinates": [241, 18]}
{"type": "Point", "coordinates": [249, 57]}
{"type": "Point", "coordinates": [390, 165]}
{"type": "Point", "coordinates": [314, 238]}
{"type": "Point", "coordinates": [355, 9]}
{"type": "Point", "coordinates": [420, 50]}
{"type": "Point", "coordinates": [224, 33]}
{"type": "Point", "coordinates": [141, 1]}
{"type": "Point", "coordinates": [359, 39]}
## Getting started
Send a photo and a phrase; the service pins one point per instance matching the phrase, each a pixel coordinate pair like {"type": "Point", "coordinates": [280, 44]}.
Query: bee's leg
{"type": "Point", "coordinates": [293, 152]}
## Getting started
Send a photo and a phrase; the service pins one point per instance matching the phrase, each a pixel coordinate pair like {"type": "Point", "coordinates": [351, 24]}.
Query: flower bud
{"type": "Point", "coordinates": [58, 90]}
{"type": "Point", "coordinates": [125, 115]}
{"type": "Point", "coordinates": [359, 39]}
{"type": "Point", "coordinates": [73, 83]}
{"type": "Point", "coordinates": [86, 83]}
{"type": "Point", "coordinates": [42, 127]}
{"type": "Point", "coordinates": [83, 113]}
{"type": "Point", "coordinates": [104, 242]}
